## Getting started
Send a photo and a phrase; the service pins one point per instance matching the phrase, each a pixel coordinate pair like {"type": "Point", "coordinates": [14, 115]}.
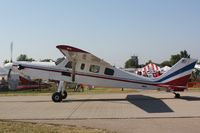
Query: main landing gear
{"type": "Point", "coordinates": [60, 94]}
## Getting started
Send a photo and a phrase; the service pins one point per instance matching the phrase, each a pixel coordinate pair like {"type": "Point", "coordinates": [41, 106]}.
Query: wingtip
{"type": "Point", "coordinates": [70, 48]}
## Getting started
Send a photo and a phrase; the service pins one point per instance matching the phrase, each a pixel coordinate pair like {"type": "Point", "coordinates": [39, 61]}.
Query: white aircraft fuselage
{"type": "Point", "coordinates": [84, 68]}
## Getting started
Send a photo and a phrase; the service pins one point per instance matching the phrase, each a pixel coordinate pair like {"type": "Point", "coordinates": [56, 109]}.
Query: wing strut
{"type": "Point", "coordinates": [73, 71]}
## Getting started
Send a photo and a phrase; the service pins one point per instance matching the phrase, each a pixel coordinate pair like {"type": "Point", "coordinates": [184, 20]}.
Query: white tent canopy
{"type": "Point", "coordinates": [164, 69]}
{"type": "Point", "coordinates": [3, 72]}
{"type": "Point", "coordinates": [197, 66]}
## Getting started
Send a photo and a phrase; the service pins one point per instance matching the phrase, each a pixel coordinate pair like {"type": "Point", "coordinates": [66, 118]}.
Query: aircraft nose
{"type": "Point", "coordinates": [8, 66]}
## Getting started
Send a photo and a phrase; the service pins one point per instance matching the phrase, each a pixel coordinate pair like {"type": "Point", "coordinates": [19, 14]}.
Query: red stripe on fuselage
{"type": "Point", "coordinates": [88, 75]}
{"type": "Point", "coordinates": [182, 81]}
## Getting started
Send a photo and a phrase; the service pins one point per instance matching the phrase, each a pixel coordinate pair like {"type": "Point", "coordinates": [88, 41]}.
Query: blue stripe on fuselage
{"type": "Point", "coordinates": [184, 69]}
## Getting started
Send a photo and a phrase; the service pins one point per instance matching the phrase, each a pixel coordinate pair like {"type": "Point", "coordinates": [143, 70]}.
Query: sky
{"type": "Point", "coordinates": [113, 30]}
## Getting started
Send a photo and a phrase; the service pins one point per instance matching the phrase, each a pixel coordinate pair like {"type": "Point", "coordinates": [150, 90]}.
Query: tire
{"type": "Point", "coordinates": [57, 97]}
{"type": "Point", "coordinates": [64, 95]}
{"type": "Point", "coordinates": [177, 95]}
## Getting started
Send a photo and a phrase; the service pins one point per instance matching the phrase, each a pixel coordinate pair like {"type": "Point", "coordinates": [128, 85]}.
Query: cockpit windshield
{"type": "Point", "coordinates": [59, 60]}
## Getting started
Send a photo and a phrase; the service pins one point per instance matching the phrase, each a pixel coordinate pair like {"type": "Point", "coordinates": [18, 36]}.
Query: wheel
{"type": "Point", "coordinates": [177, 95]}
{"type": "Point", "coordinates": [57, 97]}
{"type": "Point", "coordinates": [64, 95]}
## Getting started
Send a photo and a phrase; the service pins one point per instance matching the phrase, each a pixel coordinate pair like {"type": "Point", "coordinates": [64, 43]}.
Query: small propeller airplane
{"type": "Point", "coordinates": [83, 67]}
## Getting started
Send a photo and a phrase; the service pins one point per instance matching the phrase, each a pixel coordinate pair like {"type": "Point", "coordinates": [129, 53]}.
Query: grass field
{"type": "Point", "coordinates": [26, 127]}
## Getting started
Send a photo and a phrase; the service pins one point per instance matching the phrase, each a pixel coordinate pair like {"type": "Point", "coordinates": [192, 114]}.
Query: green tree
{"type": "Point", "coordinates": [175, 58]}
{"type": "Point", "coordinates": [24, 57]}
{"type": "Point", "coordinates": [184, 54]}
{"type": "Point", "coordinates": [46, 60]}
{"type": "Point", "coordinates": [150, 61]}
{"type": "Point", "coordinates": [131, 64]}
{"type": "Point", "coordinates": [165, 63]}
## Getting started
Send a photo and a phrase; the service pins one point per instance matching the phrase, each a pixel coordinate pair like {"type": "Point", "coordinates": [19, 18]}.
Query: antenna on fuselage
{"type": "Point", "coordinates": [11, 60]}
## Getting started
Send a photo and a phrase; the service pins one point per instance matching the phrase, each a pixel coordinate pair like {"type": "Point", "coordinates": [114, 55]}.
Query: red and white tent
{"type": "Point", "coordinates": [149, 69]}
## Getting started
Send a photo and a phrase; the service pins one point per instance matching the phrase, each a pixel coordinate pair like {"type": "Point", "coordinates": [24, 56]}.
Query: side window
{"type": "Point", "coordinates": [94, 68]}
{"type": "Point", "coordinates": [82, 66]}
{"type": "Point", "coordinates": [69, 65]}
{"type": "Point", "coordinates": [109, 71]}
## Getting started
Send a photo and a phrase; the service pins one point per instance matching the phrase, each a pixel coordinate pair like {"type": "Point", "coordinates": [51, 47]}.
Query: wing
{"type": "Point", "coordinates": [76, 54]}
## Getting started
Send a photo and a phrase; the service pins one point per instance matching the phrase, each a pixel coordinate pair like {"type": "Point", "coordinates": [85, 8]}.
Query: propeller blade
{"type": "Point", "coordinates": [11, 51]}
{"type": "Point", "coordinates": [9, 74]}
